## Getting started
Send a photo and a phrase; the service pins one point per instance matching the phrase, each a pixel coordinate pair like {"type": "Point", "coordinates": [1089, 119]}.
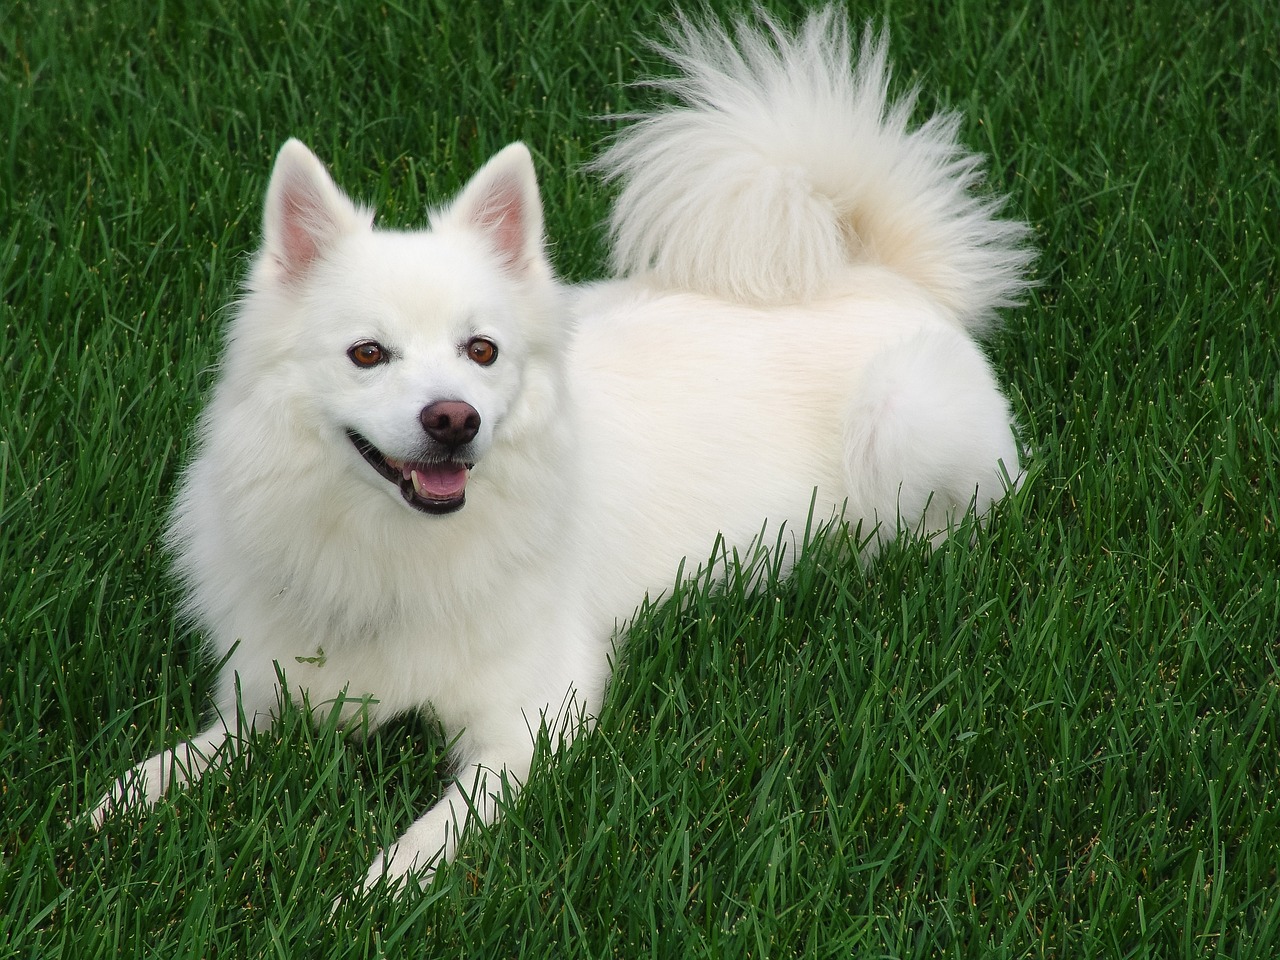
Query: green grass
{"type": "Point", "coordinates": [1061, 739]}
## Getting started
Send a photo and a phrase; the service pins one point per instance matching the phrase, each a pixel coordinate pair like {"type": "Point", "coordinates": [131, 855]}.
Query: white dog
{"type": "Point", "coordinates": [429, 477]}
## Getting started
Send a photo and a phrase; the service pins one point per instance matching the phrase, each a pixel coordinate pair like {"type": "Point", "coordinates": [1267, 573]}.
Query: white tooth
{"type": "Point", "coordinates": [417, 483]}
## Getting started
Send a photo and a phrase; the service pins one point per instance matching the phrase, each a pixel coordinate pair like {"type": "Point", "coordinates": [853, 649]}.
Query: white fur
{"type": "Point", "coordinates": [805, 273]}
{"type": "Point", "coordinates": [778, 165]}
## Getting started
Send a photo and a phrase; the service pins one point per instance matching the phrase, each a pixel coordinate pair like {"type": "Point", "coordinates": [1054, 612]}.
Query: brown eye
{"type": "Point", "coordinates": [482, 351]}
{"type": "Point", "coordinates": [367, 353]}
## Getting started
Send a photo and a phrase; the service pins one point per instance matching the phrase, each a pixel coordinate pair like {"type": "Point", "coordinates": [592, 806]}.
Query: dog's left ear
{"type": "Point", "coordinates": [502, 201]}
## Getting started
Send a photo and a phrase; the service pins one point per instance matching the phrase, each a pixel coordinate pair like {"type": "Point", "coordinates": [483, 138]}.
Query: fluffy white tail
{"type": "Point", "coordinates": [782, 161]}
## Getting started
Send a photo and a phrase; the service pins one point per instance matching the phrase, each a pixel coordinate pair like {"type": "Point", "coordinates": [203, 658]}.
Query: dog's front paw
{"type": "Point", "coordinates": [146, 782]}
{"type": "Point", "coordinates": [403, 864]}
{"type": "Point", "coordinates": [393, 873]}
{"type": "Point", "coordinates": [395, 865]}
{"type": "Point", "coordinates": [143, 785]}
{"type": "Point", "coordinates": [411, 862]}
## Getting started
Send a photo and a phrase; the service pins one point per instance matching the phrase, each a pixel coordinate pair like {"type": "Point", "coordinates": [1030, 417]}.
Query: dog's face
{"type": "Point", "coordinates": [421, 351]}
{"type": "Point", "coordinates": [413, 349]}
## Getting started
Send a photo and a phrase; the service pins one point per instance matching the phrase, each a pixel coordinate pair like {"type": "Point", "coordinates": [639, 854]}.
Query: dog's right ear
{"type": "Point", "coordinates": [305, 212]}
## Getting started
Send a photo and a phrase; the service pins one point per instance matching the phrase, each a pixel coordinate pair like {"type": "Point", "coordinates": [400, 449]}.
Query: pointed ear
{"type": "Point", "coordinates": [502, 201]}
{"type": "Point", "coordinates": [305, 212]}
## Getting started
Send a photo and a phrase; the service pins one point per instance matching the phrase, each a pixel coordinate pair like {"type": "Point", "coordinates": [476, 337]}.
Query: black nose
{"type": "Point", "coordinates": [450, 422]}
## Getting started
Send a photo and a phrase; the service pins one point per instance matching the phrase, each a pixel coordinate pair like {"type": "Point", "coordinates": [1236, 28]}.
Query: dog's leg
{"type": "Point", "coordinates": [146, 782]}
{"type": "Point", "coordinates": [472, 799]}
{"type": "Point", "coordinates": [238, 713]}
{"type": "Point", "coordinates": [432, 840]}
{"type": "Point", "coordinates": [929, 436]}
{"type": "Point", "coordinates": [494, 755]}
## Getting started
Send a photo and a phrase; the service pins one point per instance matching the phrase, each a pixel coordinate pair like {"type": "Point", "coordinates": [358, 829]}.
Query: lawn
{"type": "Point", "coordinates": [1059, 737]}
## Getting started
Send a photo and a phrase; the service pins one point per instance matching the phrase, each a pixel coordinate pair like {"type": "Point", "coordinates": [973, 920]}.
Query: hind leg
{"type": "Point", "coordinates": [929, 436]}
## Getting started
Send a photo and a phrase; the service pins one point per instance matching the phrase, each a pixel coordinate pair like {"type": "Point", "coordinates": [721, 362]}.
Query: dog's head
{"type": "Point", "coordinates": [416, 351]}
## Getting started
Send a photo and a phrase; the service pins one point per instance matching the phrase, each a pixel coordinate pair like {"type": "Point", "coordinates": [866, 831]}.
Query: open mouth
{"type": "Point", "coordinates": [430, 487]}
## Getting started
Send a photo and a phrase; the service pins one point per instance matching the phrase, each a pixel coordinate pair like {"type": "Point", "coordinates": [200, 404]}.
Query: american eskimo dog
{"type": "Point", "coordinates": [430, 477]}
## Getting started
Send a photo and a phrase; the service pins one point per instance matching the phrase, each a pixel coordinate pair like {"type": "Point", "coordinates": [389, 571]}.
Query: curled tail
{"type": "Point", "coordinates": [782, 161]}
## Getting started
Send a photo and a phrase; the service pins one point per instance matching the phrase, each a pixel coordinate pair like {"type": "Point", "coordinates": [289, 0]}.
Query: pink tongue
{"type": "Point", "coordinates": [441, 481]}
